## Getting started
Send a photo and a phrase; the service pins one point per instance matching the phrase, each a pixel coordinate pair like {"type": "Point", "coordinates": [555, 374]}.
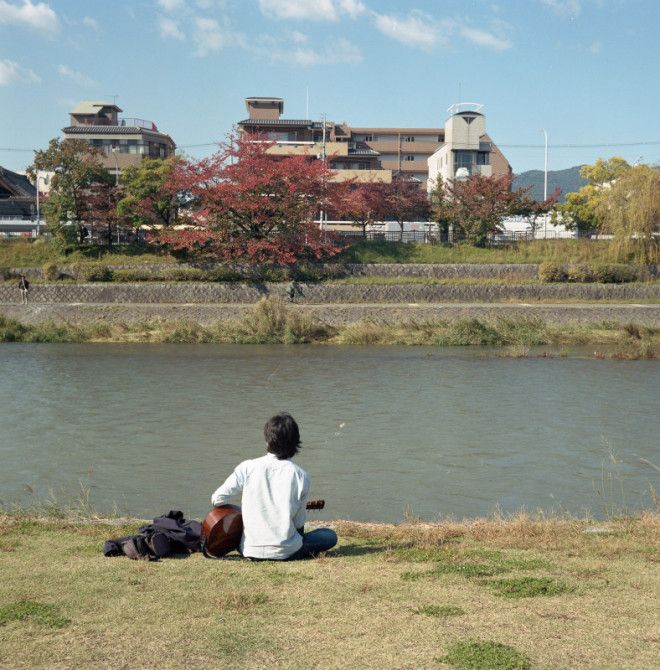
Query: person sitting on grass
{"type": "Point", "coordinates": [274, 499]}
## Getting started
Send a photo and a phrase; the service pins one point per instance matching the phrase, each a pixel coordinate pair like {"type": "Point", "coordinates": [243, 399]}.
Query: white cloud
{"type": "Point", "coordinates": [341, 52]}
{"type": "Point", "coordinates": [313, 10]}
{"type": "Point", "coordinates": [299, 38]}
{"type": "Point", "coordinates": [172, 5]}
{"type": "Point", "coordinates": [418, 30]}
{"type": "Point", "coordinates": [76, 76]}
{"type": "Point", "coordinates": [91, 23]}
{"type": "Point", "coordinates": [13, 73]}
{"type": "Point", "coordinates": [38, 17]}
{"type": "Point", "coordinates": [169, 28]}
{"type": "Point", "coordinates": [352, 7]}
{"type": "Point", "coordinates": [211, 37]}
{"type": "Point", "coordinates": [570, 8]}
{"type": "Point", "coordinates": [485, 39]}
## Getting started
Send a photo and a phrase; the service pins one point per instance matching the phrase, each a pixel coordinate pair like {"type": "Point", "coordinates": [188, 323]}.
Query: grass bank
{"type": "Point", "coordinates": [22, 253]}
{"type": "Point", "coordinates": [522, 592]}
{"type": "Point", "coordinates": [272, 321]}
{"type": "Point", "coordinates": [538, 251]}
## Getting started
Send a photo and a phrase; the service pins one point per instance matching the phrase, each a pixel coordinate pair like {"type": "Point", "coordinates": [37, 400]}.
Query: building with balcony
{"type": "Point", "coordinates": [123, 141]}
{"type": "Point", "coordinates": [372, 153]}
{"type": "Point", "coordinates": [467, 149]}
{"type": "Point", "coordinates": [347, 158]}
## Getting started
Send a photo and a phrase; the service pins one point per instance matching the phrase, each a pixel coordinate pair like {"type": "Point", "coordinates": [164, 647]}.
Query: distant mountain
{"type": "Point", "coordinates": [568, 180]}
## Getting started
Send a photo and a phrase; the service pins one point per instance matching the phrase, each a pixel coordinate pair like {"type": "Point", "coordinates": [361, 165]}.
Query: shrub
{"type": "Point", "coordinates": [224, 274]}
{"type": "Point", "coordinates": [133, 275]}
{"type": "Point", "coordinates": [98, 273]}
{"type": "Point", "coordinates": [51, 273]}
{"type": "Point", "coordinates": [552, 272]}
{"type": "Point", "coordinates": [185, 274]}
{"type": "Point", "coordinates": [273, 273]}
{"type": "Point", "coordinates": [5, 274]}
{"type": "Point", "coordinates": [614, 274]}
{"type": "Point", "coordinates": [580, 273]}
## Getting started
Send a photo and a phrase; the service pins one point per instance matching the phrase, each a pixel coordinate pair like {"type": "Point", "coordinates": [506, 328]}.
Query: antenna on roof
{"type": "Point", "coordinates": [114, 97]}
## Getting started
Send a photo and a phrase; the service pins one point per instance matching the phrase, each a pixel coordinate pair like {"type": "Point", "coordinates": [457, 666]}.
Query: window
{"type": "Point", "coordinates": [368, 138]}
{"type": "Point", "coordinates": [409, 158]}
{"type": "Point", "coordinates": [463, 159]}
{"type": "Point", "coordinates": [483, 158]}
{"type": "Point", "coordinates": [409, 138]}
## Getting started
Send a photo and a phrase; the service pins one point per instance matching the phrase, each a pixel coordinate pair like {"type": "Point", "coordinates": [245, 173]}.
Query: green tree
{"type": "Point", "coordinates": [149, 199]}
{"type": "Point", "coordinates": [75, 167]}
{"type": "Point", "coordinates": [581, 210]}
{"type": "Point", "coordinates": [630, 209]}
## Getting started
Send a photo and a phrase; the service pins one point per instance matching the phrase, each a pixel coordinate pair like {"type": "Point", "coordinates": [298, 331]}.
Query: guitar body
{"type": "Point", "coordinates": [222, 529]}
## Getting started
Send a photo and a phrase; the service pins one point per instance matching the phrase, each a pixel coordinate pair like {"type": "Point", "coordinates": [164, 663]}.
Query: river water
{"type": "Point", "coordinates": [386, 431]}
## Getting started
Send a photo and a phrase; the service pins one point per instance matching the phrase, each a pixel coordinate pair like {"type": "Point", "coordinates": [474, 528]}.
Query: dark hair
{"type": "Point", "coordinates": [282, 436]}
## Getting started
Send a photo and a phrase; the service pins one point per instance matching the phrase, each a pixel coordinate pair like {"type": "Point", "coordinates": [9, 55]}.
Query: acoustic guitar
{"type": "Point", "coordinates": [223, 527]}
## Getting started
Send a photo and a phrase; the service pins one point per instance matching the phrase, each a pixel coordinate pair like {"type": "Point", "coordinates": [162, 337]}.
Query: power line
{"type": "Point", "coordinates": [578, 146]}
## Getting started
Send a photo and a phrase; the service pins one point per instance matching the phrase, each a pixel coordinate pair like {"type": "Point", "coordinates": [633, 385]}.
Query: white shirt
{"type": "Point", "coordinates": [273, 505]}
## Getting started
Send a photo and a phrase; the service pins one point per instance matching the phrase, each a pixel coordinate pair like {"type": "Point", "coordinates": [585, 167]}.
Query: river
{"type": "Point", "coordinates": [387, 431]}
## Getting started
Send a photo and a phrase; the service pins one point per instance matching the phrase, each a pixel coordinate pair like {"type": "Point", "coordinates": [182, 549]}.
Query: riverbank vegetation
{"type": "Point", "coordinates": [511, 593]}
{"type": "Point", "coordinates": [272, 321]}
{"type": "Point", "coordinates": [36, 254]}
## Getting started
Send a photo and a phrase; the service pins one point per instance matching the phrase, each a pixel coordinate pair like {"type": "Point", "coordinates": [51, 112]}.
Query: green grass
{"type": "Point", "coordinates": [33, 612]}
{"type": "Point", "coordinates": [538, 251]}
{"type": "Point", "coordinates": [440, 611]}
{"type": "Point", "coordinates": [527, 587]}
{"type": "Point", "coordinates": [477, 655]}
{"type": "Point", "coordinates": [23, 253]}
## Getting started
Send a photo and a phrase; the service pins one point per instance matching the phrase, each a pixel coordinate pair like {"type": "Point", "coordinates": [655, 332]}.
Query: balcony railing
{"type": "Point", "coordinates": [138, 123]}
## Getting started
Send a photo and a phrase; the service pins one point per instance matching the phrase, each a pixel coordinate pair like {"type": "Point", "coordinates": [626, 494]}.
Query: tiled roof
{"type": "Point", "coordinates": [275, 122]}
{"type": "Point", "coordinates": [17, 184]}
{"type": "Point", "coordinates": [106, 130]}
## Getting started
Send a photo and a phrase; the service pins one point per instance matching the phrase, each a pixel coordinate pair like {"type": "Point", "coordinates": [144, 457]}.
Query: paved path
{"type": "Point", "coordinates": [337, 314]}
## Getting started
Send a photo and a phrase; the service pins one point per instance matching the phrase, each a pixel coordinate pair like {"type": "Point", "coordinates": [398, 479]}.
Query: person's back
{"type": "Point", "coordinates": [275, 492]}
{"type": "Point", "coordinates": [273, 505]}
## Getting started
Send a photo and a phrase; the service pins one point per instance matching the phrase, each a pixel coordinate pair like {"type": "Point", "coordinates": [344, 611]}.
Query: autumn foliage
{"type": "Point", "coordinates": [478, 204]}
{"type": "Point", "coordinates": [244, 204]}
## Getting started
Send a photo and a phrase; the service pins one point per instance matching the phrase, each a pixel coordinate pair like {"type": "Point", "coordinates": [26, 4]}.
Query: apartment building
{"type": "Point", "coordinates": [347, 157]}
{"type": "Point", "coordinates": [372, 153]}
{"type": "Point", "coordinates": [123, 141]}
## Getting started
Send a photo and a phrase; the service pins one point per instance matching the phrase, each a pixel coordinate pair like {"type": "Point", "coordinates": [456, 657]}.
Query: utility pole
{"type": "Point", "coordinates": [324, 159]}
{"type": "Point", "coordinates": [545, 184]}
{"type": "Point", "coordinates": [38, 211]}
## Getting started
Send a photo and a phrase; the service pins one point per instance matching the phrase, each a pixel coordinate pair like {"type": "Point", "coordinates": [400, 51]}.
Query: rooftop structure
{"type": "Point", "coordinates": [124, 141]}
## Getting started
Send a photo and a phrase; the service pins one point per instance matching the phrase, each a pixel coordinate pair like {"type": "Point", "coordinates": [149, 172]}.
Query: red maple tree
{"type": "Point", "coordinates": [478, 204]}
{"type": "Point", "coordinates": [404, 200]}
{"type": "Point", "coordinates": [245, 204]}
{"type": "Point", "coordinates": [361, 203]}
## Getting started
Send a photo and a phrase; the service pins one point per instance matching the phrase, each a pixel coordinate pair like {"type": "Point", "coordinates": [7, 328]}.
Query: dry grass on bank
{"type": "Point", "coordinates": [506, 593]}
{"type": "Point", "coordinates": [272, 321]}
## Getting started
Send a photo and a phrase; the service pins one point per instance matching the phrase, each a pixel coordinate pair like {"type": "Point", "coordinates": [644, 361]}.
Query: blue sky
{"type": "Point", "coordinates": [585, 70]}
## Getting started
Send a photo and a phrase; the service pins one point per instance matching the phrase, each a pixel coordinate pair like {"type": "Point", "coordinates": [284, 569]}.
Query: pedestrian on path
{"type": "Point", "coordinates": [24, 288]}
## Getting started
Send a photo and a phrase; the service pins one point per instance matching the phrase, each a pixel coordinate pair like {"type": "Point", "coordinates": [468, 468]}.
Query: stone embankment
{"type": "Point", "coordinates": [323, 294]}
{"type": "Point", "coordinates": [337, 314]}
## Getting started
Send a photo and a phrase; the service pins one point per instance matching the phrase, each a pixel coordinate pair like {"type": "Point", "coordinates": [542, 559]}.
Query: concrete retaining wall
{"type": "Point", "coordinates": [440, 270]}
{"type": "Point", "coordinates": [189, 292]}
{"type": "Point", "coordinates": [335, 315]}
